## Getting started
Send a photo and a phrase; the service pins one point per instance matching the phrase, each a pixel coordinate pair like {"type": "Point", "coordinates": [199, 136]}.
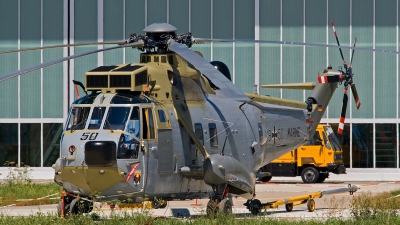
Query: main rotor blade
{"type": "Point", "coordinates": [343, 113]}
{"type": "Point", "coordinates": [203, 40]}
{"type": "Point", "coordinates": [205, 67]}
{"type": "Point", "coordinates": [27, 70]}
{"type": "Point", "coordinates": [62, 46]}
{"type": "Point", "coordinates": [337, 40]}
{"type": "Point", "coordinates": [355, 95]}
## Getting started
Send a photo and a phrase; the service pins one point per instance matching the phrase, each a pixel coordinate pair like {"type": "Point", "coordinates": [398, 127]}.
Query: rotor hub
{"type": "Point", "coordinates": [157, 37]}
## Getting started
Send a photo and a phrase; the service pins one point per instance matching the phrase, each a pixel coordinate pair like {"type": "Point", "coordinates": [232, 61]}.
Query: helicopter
{"type": "Point", "coordinates": [174, 127]}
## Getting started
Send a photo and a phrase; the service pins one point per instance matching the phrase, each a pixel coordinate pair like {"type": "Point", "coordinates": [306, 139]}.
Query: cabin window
{"type": "Point", "coordinates": [198, 130]}
{"type": "Point", "coordinates": [77, 118]}
{"type": "Point", "coordinates": [161, 116]}
{"type": "Point", "coordinates": [116, 118]}
{"type": "Point", "coordinates": [97, 117]}
{"type": "Point", "coordinates": [213, 134]}
{"type": "Point", "coordinates": [148, 124]}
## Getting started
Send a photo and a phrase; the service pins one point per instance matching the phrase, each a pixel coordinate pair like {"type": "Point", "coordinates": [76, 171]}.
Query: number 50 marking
{"type": "Point", "coordinates": [91, 136]}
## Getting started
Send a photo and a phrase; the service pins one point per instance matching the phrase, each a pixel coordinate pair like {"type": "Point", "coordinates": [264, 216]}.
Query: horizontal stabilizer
{"type": "Point", "coordinates": [298, 86]}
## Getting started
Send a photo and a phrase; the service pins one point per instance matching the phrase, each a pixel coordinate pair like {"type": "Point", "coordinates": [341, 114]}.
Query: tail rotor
{"type": "Point", "coordinates": [346, 77]}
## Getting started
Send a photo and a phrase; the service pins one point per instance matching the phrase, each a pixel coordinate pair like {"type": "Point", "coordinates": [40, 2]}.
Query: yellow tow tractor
{"type": "Point", "coordinates": [255, 206]}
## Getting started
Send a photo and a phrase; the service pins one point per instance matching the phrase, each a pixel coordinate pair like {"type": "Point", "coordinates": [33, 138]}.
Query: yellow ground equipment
{"type": "Point", "coordinates": [255, 206]}
{"type": "Point", "coordinates": [312, 161]}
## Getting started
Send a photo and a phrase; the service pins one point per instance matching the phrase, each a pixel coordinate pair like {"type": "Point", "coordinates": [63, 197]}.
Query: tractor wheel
{"type": "Point", "coordinates": [311, 205]}
{"type": "Point", "coordinates": [158, 204]}
{"type": "Point", "coordinates": [309, 175]}
{"type": "Point", "coordinates": [322, 177]}
{"type": "Point", "coordinates": [289, 207]}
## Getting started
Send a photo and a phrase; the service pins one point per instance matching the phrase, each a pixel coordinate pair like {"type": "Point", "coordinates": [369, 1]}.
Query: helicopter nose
{"type": "Point", "coordinates": [100, 153]}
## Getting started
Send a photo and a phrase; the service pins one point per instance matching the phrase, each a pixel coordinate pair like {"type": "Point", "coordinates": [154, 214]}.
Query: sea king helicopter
{"type": "Point", "coordinates": [175, 127]}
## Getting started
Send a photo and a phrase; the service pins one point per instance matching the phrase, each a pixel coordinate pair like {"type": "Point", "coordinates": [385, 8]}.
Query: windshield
{"type": "Point", "coordinates": [332, 138]}
{"type": "Point", "coordinates": [77, 118]}
{"type": "Point", "coordinates": [116, 118]}
{"type": "Point", "coordinates": [97, 117]}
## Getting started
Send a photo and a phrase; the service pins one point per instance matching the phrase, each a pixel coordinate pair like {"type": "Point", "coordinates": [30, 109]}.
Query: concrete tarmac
{"type": "Point", "coordinates": [333, 205]}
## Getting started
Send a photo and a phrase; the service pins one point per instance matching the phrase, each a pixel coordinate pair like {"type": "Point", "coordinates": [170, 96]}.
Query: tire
{"type": "Point", "coordinates": [289, 207]}
{"type": "Point", "coordinates": [255, 207]}
{"type": "Point", "coordinates": [225, 207]}
{"type": "Point", "coordinates": [322, 177]}
{"type": "Point", "coordinates": [212, 208]}
{"type": "Point", "coordinates": [265, 179]}
{"type": "Point", "coordinates": [59, 209]}
{"type": "Point", "coordinates": [73, 207]}
{"type": "Point", "coordinates": [309, 175]}
{"type": "Point", "coordinates": [311, 205]}
{"type": "Point", "coordinates": [79, 207]}
{"type": "Point", "coordinates": [158, 204]}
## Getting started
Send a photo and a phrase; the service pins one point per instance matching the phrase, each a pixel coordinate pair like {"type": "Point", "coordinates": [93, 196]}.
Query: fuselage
{"type": "Point", "coordinates": [130, 145]}
{"type": "Point", "coordinates": [149, 147]}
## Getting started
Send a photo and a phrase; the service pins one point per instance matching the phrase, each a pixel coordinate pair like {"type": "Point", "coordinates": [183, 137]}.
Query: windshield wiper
{"type": "Point", "coordinates": [109, 125]}
{"type": "Point", "coordinates": [77, 125]}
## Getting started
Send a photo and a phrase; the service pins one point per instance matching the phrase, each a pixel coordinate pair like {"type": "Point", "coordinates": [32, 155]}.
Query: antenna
{"type": "Point", "coordinates": [223, 147]}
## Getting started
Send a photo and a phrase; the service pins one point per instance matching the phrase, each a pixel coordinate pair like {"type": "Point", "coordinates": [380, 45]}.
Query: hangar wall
{"type": "Point", "coordinates": [34, 106]}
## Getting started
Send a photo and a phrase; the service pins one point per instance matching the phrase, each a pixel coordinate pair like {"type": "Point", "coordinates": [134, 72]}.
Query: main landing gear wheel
{"type": "Point", "coordinates": [311, 205]}
{"type": "Point", "coordinates": [309, 175]}
{"type": "Point", "coordinates": [225, 207]}
{"type": "Point", "coordinates": [215, 207]}
{"type": "Point", "coordinates": [212, 207]}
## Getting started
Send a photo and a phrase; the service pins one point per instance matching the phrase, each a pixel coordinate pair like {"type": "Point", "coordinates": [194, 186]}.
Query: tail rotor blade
{"type": "Point", "coordinates": [355, 95]}
{"type": "Point", "coordinates": [343, 113]}
{"type": "Point", "coordinates": [337, 40]}
{"type": "Point", "coordinates": [352, 53]}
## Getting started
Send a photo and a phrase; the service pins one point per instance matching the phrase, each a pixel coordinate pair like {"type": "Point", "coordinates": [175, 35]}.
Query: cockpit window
{"type": "Point", "coordinates": [116, 118]}
{"type": "Point", "coordinates": [128, 99]}
{"type": "Point", "coordinates": [77, 118]}
{"type": "Point", "coordinates": [97, 117]}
